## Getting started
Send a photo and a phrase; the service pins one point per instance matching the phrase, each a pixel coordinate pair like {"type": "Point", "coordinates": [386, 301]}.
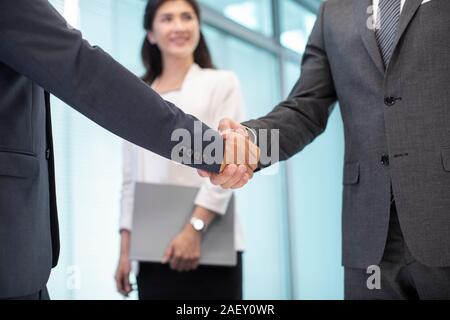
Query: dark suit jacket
{"type": "Point", "coordinates": [40, 53]}
{"type": "Point", "coordinates": [396, 122]}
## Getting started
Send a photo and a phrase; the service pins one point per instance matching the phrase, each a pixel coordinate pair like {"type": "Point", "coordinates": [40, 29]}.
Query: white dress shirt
{"type": "Point", "coordinates": [209, 95]}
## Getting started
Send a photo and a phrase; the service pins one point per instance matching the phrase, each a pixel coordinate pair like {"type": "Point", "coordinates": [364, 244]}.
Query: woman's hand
{"type": "Point", "coordinates": [183, 253]}
{"type": "Point", "coordinates": [124, 266]}
{"type": "Point", "coordinates": [123, 275]}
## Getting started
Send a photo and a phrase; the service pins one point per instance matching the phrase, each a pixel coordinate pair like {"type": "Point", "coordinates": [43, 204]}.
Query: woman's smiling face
{"type": "Point", "coordinates": [175, 29]}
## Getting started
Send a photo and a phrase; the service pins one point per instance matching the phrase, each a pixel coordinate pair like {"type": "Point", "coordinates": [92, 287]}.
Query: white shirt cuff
{"type": "Point", "coordinates": [215, 200]}
{"type": "Point", "coordinates": [252, 135]}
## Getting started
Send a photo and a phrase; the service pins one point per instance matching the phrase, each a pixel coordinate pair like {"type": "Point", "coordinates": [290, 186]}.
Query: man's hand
{"type": "Point", "coordinates": [241, 157]}
{"type": "Point", "coordinates": [240, 150]}
{"type": "Point", "coordinates": [229, 125]}
{"type": "Point", "coordinates": [183, 253]}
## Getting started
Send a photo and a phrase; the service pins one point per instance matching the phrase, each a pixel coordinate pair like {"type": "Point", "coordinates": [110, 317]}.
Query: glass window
{"type": "Point", "coordinates": [315, 178]}
{"type": "Point", "coordinates": [291, 75]}
{"type": "Point", "coordinates": [296, 25]}
{"type": "Point", "coordinates": [255, 15]}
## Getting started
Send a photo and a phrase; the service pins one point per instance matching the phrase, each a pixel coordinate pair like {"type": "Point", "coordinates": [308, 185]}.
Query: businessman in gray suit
{"type": "Point", "coordinates": [40, 54]}
{"type": "Point", "coordinates": [388, 65]}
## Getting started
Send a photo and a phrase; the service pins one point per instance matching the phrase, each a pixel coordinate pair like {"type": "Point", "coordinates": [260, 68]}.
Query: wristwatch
{"type": "Point", "coordinates": [198, 224]}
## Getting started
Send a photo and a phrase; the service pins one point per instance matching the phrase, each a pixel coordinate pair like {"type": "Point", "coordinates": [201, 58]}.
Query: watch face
{"type": "Point", "coordinates": [198, 225]}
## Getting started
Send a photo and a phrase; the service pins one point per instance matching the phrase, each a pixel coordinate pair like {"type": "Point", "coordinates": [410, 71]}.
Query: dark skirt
{"type": "Point", "coordinates": [157, 281]}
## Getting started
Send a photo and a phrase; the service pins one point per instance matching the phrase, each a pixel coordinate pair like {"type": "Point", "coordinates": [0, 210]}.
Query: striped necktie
{"type": "Point", "coordinates": [389, 15]}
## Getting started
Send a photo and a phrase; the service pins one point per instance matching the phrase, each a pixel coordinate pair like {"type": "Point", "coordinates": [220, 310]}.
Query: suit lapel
{"type": "Point", "coordinates": [409, 9]}
{"type": "Point", "coordinates": [367, 34]}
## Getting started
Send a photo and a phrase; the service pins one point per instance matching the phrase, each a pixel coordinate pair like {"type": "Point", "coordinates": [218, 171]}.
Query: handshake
{"type": "Point", "coordinates": [241, 157]}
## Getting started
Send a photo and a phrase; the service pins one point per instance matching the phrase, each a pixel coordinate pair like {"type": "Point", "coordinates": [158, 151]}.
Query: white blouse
{"type": "Point", "coordinates": [210, 95]}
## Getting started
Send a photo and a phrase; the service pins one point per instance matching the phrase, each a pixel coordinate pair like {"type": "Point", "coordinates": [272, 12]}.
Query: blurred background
{"type": "Point", "coordinates": [291, 219]}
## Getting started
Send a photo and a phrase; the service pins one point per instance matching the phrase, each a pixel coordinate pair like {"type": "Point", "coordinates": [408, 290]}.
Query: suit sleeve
{"type": "Point", "coordinates": [37, 42]}
{"type": "Point", "coordinates": [304, 115]}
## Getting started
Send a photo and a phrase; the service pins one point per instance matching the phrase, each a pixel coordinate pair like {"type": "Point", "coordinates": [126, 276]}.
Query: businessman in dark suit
{"type": "Point", "coordinates": [40, 54]}
{"type": "Point", "coordinates": [391, 79]}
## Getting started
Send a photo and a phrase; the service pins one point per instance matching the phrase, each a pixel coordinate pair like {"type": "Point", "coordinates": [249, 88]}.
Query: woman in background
{"type": "Point", "coordinates": [179, 67]}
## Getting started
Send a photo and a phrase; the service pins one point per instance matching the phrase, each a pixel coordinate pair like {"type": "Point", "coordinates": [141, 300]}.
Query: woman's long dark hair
{"type": "Point", "coordinates": [150, 53]}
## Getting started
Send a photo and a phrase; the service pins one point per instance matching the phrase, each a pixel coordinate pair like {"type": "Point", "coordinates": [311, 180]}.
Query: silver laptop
{"type": "Point", "coordinates": [161, 212]}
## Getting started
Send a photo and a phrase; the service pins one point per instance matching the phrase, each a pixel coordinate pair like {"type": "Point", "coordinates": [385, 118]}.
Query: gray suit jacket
{"type": "Point", "coordinates": [40, 53]}
{"type": "Point", "coordinates": [396, 122]}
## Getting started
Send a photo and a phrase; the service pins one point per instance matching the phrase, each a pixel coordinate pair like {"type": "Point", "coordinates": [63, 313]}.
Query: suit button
{"type": "Point", "coordinates": [385, 160]}
{"type": "Point", "coordinates": [389, 101]}
{"type": "Point", "coordinates": [47, 154]}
